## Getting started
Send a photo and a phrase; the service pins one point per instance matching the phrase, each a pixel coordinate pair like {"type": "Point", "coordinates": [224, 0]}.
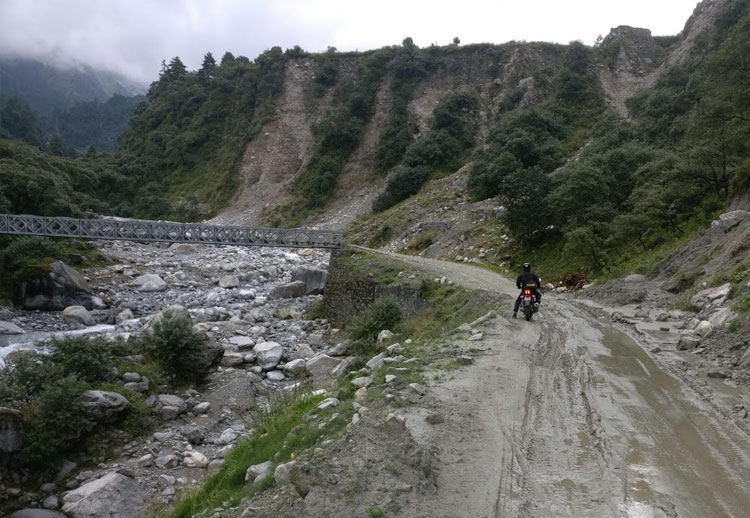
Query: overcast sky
{"type": "Point", "coordinates": [133, 36]}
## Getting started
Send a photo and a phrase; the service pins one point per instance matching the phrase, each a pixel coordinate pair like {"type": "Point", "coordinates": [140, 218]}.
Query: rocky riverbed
{"type": "Point", "coordinates": [250, 302]}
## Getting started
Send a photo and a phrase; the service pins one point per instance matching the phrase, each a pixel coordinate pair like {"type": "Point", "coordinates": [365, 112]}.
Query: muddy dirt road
{"type": "Point", "coordinates": [567, 416]}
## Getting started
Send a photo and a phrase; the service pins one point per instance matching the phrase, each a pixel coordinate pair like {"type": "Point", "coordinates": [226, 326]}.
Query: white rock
{"type": "Point", "coordinates": [282, 473]}
{"type": "Point", "coordinates": [124, 315]}
{"type": "Point", "coordinates": [242, 342]}
{"type": "Point", "coordinates": [150, 283]}
{"type": "Point", "coordinates": [275, 376]}
{"type": "Point", "coordinates": [418, 389]}
{"type": "Point", "coordinates": [705, 328]}
{"type": "Point", "coordinates": [229, 281]}
{"type": "Point", "coordinates": [321, 365]}
{"type": "Point", "coordinates": [304, 351]}
{"type": "Point", "coordinates": [9, 328]}
{"type": "Point", "coordinates": [258, 471]}
{"type": "Point", "coordinates": [376, 361]}
{"type": "Point", "coordinates": [202, 408]}
{"type": "Point", "coordinates": [732, 218]}
{"type": "Point", "coordinates": [721, 317]}
{"type": "Point", "coordinates": [364, 381]}
{"type": "Point", "coordinates": [714, 296]}
{"type": "Point", "coordinates": [111, 496]}
{"type": "Point", "coordinates": [330, 402]}
{"type": "Point", "coordinates": [384, 335]}
{"type": "Point", "coordinates": [227, 436]}
{"type": "Point", "coordinates": [389, 378]}
{"type": "Point", "coordinates": [232, 359]}
{"type": "Point", "coordinates": [294, 367]}
{"type": "Point", "coordinates": [78, 315]}
{"type": "Point", "coordinates": [194, 459]}
{"type": "Point", "coordinates": [269, 354]}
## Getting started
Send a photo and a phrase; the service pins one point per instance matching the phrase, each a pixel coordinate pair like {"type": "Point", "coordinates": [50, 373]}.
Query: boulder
{"type": "Point", "coordinates": [732, 218]}
{"type": "Point", "coordinates": [111, 496]}
{"type": "Point", "coordinates": [294, 367]}
{"type": "Point", "coordinates": [721, 317]}
{"type": "Point", "coordinates": [229, 281]}
{"type": "Point", "coordinates": [169, 400]}
{"type": "Point", "coordinates": [202, 408]}
{"type": "Point", "coordinates": [9, 328]}
{"type": "Point", "coordinates": [314, 279]}
{"type": "Point", "coordinates": [376, 361]}
{"type": "Point", "coordinates": [711, 296]}
{"type": "Point", "coordinates": [232, 359]}
{"type": "Point", "coordinates": [687, 343]}
{"type": "Point", "coordinates": [268, 353]}
{"type": "Point", "coordinates": [192, 433]}
{"type": "Point", "coordinates": [705, 328]}
{"type": "Point", "coordinates": [195, 459]}
{"type": "Point", "coordinates": [282, 473]}
{"type": "Point", "coordinates": [304, 350]}
{"type": "Point", "coordinates": [124, 315]}
{"type": "Point", "coordinates": [57, 289]}
{"type": "Point", "coordinates": [384, 335]}
{"type": "Point", "coordinates": [183, 248]}
{"type": "Point", "coordinates": [327, 403]}
{"type": "Point", "coordinates": [242, 342]}
{"type": "Point", "coordinates": [150, 283]}
{"type": "Point", "coordinates": [290, 290]}
{"type": "Point", "coordinates": [104, 407]}
{"type": "Point", "coordinates": [275, 376]}
{"type": "Point", "coordinates": [258, 471]}
{"type": "Point", "coordinates": [362, 381]}
{"type": "Point", "coordinates": [78, 315]}
{"type": "Point", "coordinates": [11, 427]}
{"type": "Point", "coordinates": [321, 365]}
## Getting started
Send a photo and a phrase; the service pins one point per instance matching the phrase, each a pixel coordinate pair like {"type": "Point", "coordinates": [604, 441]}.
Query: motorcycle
{"type": "Point", "coordinates": [530, 306]}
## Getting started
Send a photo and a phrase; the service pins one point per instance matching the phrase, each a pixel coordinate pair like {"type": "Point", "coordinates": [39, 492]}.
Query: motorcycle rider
{"type": "Point", "coordinates": [528, 279]}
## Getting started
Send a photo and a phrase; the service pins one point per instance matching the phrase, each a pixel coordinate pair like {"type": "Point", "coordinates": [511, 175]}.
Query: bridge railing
{"type": "Point", "coordinates": [166, 231]}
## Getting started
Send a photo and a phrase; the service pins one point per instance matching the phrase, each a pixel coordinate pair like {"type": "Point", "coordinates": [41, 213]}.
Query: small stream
{"type": "Point", "coordinates": [31, 340]}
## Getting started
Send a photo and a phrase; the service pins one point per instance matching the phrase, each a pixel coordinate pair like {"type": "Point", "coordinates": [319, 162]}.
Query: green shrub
{"type": "Point", "coordinates": [58, 421]}
{"type": "Point", "coordinates": [90, 359]}
{"type": "Point", "coordinates": [28, 249]}
{"type": "Point", "coordinates": [25, 375]}
{"type": "Point", "coordinates": [733, 325]}
{"type": "Point", "coordinates": [384, 313]}
{"type": "Point", "coordinates": [176, 347]}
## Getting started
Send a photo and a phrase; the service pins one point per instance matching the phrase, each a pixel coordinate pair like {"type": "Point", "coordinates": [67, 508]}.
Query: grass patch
{"type": "Point", "coordinates": [450, 307]}
{"type": "Point", "coordinates": [421, 241]}
{"type": "Point", "coordinates": [280, 433]}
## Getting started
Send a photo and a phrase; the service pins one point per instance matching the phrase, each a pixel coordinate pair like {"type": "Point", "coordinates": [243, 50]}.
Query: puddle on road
{"type": "Point", "coordinates": [678, 448]}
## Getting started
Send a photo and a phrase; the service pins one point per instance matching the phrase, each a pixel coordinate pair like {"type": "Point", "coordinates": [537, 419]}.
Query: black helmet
{"type": "Point", "coordinates": [526, 267]}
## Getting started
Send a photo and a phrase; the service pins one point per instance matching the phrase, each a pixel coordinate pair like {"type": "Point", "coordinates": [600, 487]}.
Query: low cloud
{"type": "Point", "coordinates": [134, 36]}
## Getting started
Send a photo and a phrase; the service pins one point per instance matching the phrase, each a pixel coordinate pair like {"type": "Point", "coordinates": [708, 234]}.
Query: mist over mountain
{"type": "Point", "coordinates": [50, 87]}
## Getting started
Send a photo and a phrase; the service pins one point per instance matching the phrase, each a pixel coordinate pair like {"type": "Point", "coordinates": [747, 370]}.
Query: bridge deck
{"type": "Point", "coordinates": [143, 230]}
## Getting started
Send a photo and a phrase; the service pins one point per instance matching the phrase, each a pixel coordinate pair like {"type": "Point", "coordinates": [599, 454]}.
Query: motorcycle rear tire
{"type": "Point", "coordinates": [528, 312]}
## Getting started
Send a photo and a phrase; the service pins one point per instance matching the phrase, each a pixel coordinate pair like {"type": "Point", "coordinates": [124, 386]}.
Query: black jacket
{"type": "Point", "coordinates": [528, 279]}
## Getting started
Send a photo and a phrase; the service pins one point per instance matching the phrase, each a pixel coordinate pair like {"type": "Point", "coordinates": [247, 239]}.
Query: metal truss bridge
{"type": "Point", "coordinates": [165, 231]}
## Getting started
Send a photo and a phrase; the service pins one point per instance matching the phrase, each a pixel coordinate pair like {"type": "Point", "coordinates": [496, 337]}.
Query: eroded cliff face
{"type": "Point", "coordinates": [275, 159]}
{"type": "Point", "coordinates": [635, 55]}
